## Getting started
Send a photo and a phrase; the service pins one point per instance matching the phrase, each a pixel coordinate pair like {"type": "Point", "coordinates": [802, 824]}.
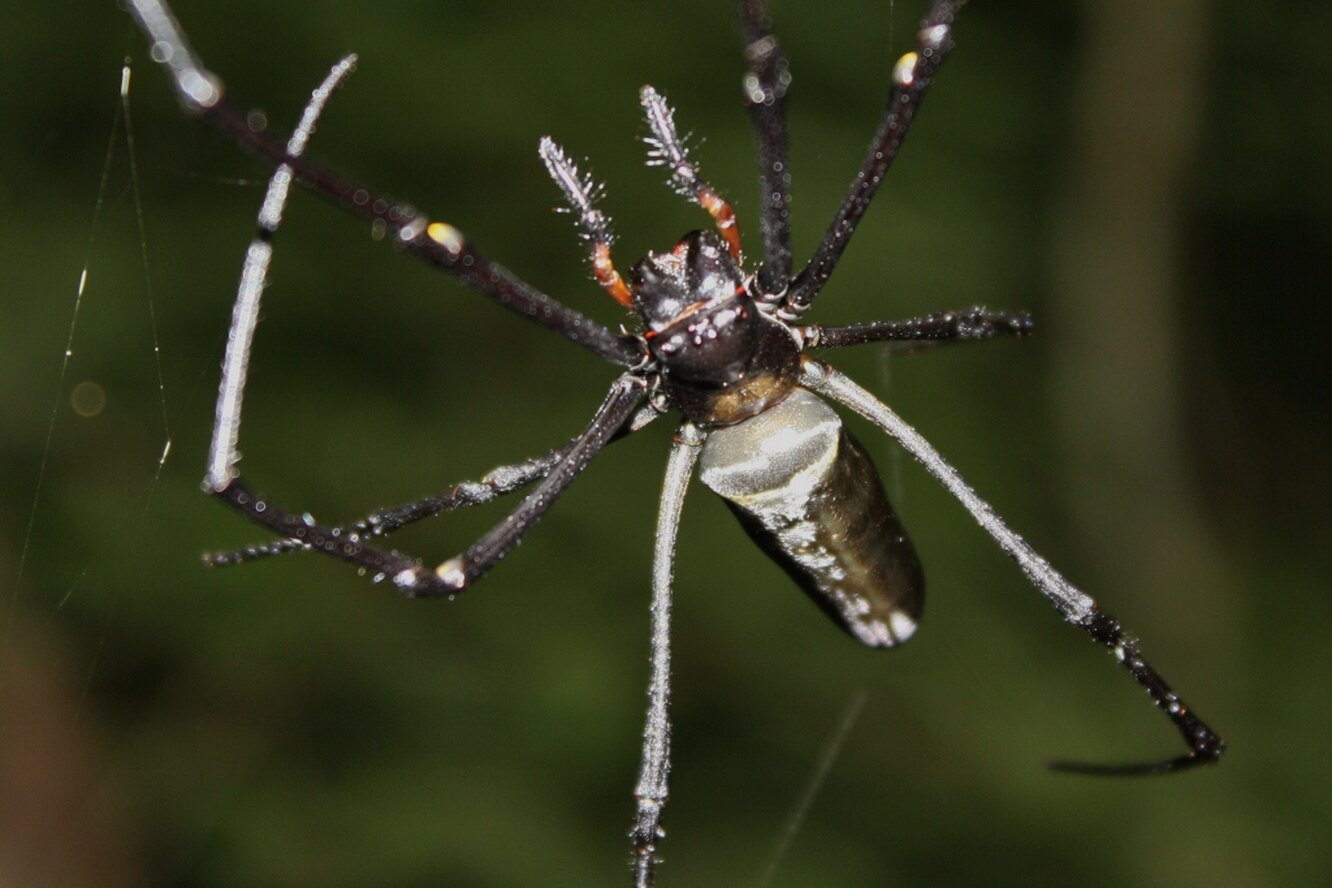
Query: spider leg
{"type": "Point", "coordinates": [436, 243]}
{"type": "Point", "coordinates": [221, 479]}
{"type": "Point", "coordinates": [971, 325]}
{"type": "Point", "coordinates": [456, 574]}
{"type": "Point", "coordinates": [667, 149]}
{"type": "Point", "coordinates": [403, 569]}
{"type": "Point", "coordinates": [624, 398]}
{"type": "Point", "coordinates": [765, 83]}
{"type": "Point", "coordinates": [652, 790]}
{"type": "Point", "coordinates": [382, 522]}
{"type": "Point", "coordinates": [911, 78]}
{"type": "Point", "coordinates": [582, 193]}
{"type": "Point", "coordinates": [222, 453]}
{"type": "Point", "coordinates": [497, 482]}
{"type": "Point", "coordinates": [1072, 603]}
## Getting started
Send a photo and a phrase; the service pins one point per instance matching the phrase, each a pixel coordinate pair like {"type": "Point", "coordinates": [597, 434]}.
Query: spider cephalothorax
{"type": "Point", "coordinates": [722, 358]}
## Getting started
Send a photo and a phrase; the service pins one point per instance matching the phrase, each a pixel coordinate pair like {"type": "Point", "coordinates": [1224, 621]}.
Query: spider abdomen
{"type": "Point", "coordinates": [806, 492]}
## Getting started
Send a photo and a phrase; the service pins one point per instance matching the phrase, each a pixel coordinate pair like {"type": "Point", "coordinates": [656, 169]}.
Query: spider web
{"type": "Point", "coordinates": [87, 398]}
{"type": "Point", "coordinates": [55, 694]}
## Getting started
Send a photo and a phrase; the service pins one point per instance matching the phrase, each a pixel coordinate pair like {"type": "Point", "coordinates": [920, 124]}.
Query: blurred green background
{"type": "Point", "coordinates": [1150, 180]}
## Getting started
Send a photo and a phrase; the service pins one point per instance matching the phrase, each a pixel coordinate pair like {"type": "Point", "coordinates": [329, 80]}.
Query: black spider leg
{"type": "Point", "coordinates": [971, 325]}
{"type": "Point", "coordinates": [223, 482]}
{"type": "Point", "coordinates": [654, 771]}
{"type": "Point", "coordinates": [667, 149]}
{"type": "Point", "coordinates": [457, 573]}
{"type": "Point", "coordinates": [624, 398]}
{"type": "Point", "coordinates": [765, 83]}
{"type": "Point", "coordinates": [382, 522]}
{"type": "Point", "coordinates": [437, 243]}
{"type": "Point", "coordinates": [911, 78]}
{"type": "Point", "coordinates": [221, 479]}
{"type": "Point", "coordinates": [498, 482]}
{"type": "Point", "coordinates": [1072, 603]}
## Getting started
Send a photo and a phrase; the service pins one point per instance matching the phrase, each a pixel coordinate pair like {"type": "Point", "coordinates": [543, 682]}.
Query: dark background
{"type": "Point", "coordinates": [1150, 180]}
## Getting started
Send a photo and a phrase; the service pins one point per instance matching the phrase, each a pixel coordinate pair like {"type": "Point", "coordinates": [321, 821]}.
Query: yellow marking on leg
{"type": "Point", "coordinates": [446, 236]}
{"type": "Point", "coordinates": [904, 72]}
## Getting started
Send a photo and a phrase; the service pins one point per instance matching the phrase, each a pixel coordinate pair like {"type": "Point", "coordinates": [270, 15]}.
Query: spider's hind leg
{"type": "Point", "coordinates": [1074, 605]}
{"type": "Point", "coordinates": [499, 481]}
{"type": "Point", "coordinates": [618, 413]}
{"type": "Point", "coordinates": [382, 522]}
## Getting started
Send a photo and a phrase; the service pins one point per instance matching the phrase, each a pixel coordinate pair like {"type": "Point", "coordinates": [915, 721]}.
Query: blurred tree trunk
{"type": "Point", "coordinates": [1118, 336]}
{"type": "Point", "coordinates": [62, 824]}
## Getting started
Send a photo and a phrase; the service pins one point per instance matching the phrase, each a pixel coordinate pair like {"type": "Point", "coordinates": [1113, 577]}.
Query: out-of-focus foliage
{"type": "Point", "coordinates": [1152, 181]}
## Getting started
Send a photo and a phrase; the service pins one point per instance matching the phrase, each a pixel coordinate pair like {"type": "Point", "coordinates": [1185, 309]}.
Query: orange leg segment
{"type": "Point", "coordinates": [604, 271]}
{"type": "Point", "coordinates": [723, 215]}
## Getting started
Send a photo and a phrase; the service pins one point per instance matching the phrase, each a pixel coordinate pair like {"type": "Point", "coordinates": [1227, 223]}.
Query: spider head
{"type": "Point", "coordinates": [702, 323]}
{"type": "Point", "coordinates": [721, 358]}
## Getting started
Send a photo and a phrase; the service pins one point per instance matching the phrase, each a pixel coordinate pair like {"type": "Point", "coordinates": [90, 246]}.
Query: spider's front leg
{"type": "Point", "coordinates": [436, 243]}
{"type": "Point", "coordinates": [767, 78]}
{"type": "Point", "coordinates": [223, 481]}
{"type": "Point", "coordinates": [912, 76]}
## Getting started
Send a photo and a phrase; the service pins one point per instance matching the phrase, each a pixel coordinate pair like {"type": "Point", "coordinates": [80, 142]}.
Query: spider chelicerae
{"type": "Point", "coordinates": [721, 344]}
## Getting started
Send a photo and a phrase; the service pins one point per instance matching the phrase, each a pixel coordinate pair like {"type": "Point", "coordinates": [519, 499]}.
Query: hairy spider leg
{"type": "Point", "coordinates": [582, 192]}
{"type": "Point", "coordinates": [667, 149]}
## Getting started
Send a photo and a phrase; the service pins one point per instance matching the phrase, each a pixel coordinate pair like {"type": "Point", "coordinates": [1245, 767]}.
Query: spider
{"type": "Point", "coordinates": [718, 342]}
